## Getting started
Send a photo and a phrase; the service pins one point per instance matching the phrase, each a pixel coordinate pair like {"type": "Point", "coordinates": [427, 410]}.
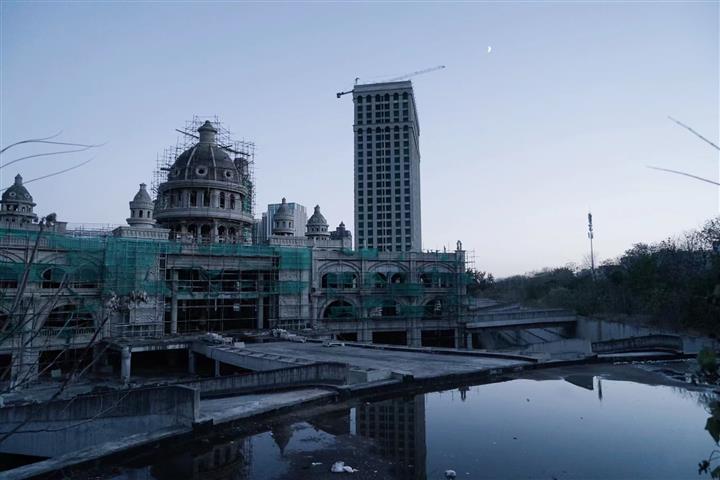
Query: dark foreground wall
{"type": "Point", "coordinates": [53, 428]}
{"type": "Point", "coordinates": [317, 373]}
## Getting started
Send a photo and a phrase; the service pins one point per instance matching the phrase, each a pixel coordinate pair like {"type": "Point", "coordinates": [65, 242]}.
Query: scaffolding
{"type": "Point", "coordinates": [241, 151]}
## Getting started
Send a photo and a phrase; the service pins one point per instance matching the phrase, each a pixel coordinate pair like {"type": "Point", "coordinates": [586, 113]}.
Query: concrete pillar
{"type": "Point", "coordinates": [174, 304]}
{"type": "Point", "coordinates": [125, 364]}
{"type": "Point", "coordinates": [364, 334]}
{"type": "Point", "coordinates": [456, 336]}
{"type": "Point", "coordinates": [217, 368]}
{"type": "Point", "coordinates": [191, 362]}
{"type": "Point", "coordinates": [260, 312]}
{"type": "Point", "coordinates": [469, 341]}
{"type": "Point", "coordinates": [414, 337]}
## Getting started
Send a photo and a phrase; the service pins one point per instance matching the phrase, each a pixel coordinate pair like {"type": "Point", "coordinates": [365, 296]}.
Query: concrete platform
{"type": "Point", "coordinates": [420, 365]}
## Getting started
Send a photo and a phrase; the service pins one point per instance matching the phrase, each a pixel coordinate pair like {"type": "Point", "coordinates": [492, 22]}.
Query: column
{"type": "Point", "coordinates": [191, 362]}
{"type": "Point", "coordinates": [174, 304]}
{"type": "Point", "coordinates": [125, 364]}
{"type": "Point", "coordinates": [260, 312]}
{"type": "Point", "coordinates": [414, 335]}
{"type": "Point", "coordinates": [217, 368]}
{"type": "Point", "coordinates": [469, 341]}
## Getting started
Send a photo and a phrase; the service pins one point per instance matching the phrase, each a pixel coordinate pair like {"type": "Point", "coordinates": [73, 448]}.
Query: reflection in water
{"type": "Point", "coordinates": [398, 428]}
{"type": "Point", "coordinates": [573, 428]}
{"type": "Point", "coordinates": [226, 461]}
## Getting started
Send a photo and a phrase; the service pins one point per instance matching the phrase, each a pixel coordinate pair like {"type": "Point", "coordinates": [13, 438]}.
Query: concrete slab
{"type": "Point", "coordinates": [420, 365]}
{"type": "Point", "coordinates": [222, 410]}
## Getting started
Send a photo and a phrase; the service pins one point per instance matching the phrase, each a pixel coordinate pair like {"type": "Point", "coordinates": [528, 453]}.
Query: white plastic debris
{"type": "Point", "coordinates": [450, 474]}
{"type": "Point", "coordinates": [340, 467]}
{"type": "Point", "coordinates": [315, 464]}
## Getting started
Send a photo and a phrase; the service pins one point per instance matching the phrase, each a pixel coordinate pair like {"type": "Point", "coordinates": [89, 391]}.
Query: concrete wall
{"type": "Point", "coordinates": [330, 373]}
{"type": "Point", "coordinates": [62, 426]}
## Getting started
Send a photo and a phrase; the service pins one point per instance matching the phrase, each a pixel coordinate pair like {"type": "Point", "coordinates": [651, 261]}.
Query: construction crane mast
{"type": "Point", "coordinates": [397, 79]}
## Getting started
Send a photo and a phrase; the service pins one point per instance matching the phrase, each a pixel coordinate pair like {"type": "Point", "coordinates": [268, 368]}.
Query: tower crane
{"type": "Point", "coordinates": [397, 79]}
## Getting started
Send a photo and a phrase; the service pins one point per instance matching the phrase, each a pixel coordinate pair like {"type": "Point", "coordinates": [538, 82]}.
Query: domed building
{"type": "Point", "coordinates": [205, 198]}
{"type": "Point", "coordinates": [317, 226]}
{"type": "Point", "coordinates": [283, 221]}
{"type": "Point", "coordinates": [16, 207]}
{"type": "Point", "coordinates": [141, 209]}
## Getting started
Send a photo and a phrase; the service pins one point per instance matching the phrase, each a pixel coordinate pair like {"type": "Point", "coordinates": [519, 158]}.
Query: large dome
{"type": "Point", "coordinates": [17, 192]}
{"type": "Point", "coordinates": [206, 160]}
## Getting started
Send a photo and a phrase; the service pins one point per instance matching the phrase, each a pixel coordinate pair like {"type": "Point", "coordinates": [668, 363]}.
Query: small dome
{"type": "Point", "coordinates": [317, 218]}
{"type": "Point", "coordinates": [142, 196]}
{"type": "Point", "coordinates": [17, 192]}
{"type": "Point", "coordinates": [283, 220]}
{"type": "Point", "coordinates": [283, 212]}
{"type": "Point", "coordinates": [317, 226]}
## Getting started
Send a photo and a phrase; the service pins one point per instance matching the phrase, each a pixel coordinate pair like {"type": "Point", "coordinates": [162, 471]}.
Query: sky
{"type": "Point", "coordinates": [563, 115]}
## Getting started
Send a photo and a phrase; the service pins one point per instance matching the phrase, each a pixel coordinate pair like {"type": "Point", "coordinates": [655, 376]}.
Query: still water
{"type": "Point", "coordinates": [580, 428]}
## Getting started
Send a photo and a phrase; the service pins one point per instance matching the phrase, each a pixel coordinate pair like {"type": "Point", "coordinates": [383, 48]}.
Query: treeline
{"type": "Point", "coordinates": [673, 283]}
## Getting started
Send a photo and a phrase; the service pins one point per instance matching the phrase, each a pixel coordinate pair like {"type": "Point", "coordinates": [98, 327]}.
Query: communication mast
{"type": "Point", "coordinates": [592, 253]}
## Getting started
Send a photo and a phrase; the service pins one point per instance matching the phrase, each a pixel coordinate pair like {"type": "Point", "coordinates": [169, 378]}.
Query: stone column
{"type": "Point", "coordinates": [414, 337]}
{"type": "Point", "coordinates": [125, 364]}
{"type": "Point", "coordinates": [260, 312]}
{"type": "Point", "coordinates": [469, 341]}
{"type": "Point", "coordinates": [217, 368]}
{"type": "Point", "coordinates": [174, 304]}
{"type": "Point", "coordinates": [191, 362]}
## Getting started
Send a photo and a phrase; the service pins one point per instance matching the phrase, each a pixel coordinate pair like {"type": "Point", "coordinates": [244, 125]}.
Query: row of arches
{"type": "Point", "coordinates": [344, 309]}
{"type": "Point", "coordinates": [349, 280]}
{"type": "Point", "coordinates": [204, 198]}
{"type": "Point", "coordinates": [55, 277]}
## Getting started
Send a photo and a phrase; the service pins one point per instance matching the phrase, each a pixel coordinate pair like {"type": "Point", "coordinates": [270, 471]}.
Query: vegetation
{"type": "Point", "coordinates": [673, 283]}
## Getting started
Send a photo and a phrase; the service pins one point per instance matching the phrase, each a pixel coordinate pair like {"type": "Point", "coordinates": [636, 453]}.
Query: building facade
{"type": "Point", "coordinates": [182, 268]}
{"type": "Point", "coordinates": [387, 168]}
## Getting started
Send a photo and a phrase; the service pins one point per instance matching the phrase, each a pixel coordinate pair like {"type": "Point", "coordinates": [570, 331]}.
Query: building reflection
{"type": "Point", "coordinates": [397, 428]}
{"type": "Point", "coordinates": [226, 461]}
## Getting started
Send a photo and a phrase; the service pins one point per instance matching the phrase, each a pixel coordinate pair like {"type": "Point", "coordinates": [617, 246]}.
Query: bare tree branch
{"type": "Point", "coordinates": [685, 174]}
{"type": "Point", "coordinates": [694, 133]}
{"type": "Point", "coordinates": [47, 154]}
{"type": "Point", "coordinates": [25, 182]}
{"type": "Point", "coordinates": [32, 140]}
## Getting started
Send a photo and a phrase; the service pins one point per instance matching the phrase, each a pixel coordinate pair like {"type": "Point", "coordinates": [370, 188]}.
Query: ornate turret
{"type": "Point", "coordinates": [141, 209]}
{"type": "Point", "coordinates": [206, 198]}
{"type": "Point", "coordinates": [16, 207]}
{"type": "Point", "coordinates": [317, 226]}
{"type": "Point", "coordinates": [283, 221]}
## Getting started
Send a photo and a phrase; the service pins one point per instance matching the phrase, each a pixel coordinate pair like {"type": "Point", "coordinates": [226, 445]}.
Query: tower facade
{"type": "Point", "coordinates": [387, 167]}
{"type": "Point", "coordinates": [16, 206]}
{"type": "Point", "coordinates": [206, 197]}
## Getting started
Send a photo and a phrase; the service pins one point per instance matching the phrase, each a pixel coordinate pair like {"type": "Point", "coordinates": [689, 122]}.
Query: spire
{"type": "Point", "coordinates": [207, 132]}
{"type": "Point", "coordinates": [18, 180]}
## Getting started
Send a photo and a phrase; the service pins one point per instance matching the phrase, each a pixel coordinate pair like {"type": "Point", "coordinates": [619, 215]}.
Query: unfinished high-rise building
{"type": "Point", "coordinates": [387, 168]}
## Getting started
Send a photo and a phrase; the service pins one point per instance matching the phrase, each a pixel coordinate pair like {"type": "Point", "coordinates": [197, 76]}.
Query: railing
{"type": "Point", "coordinates": [153, 329]}
{"type": "Point", "coordinates": [647, 342]}
{"type": "Point", "coordinates": [520, 315]}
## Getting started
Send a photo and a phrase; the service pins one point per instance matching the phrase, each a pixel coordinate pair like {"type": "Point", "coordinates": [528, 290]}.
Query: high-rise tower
{"type": "Point", "coordinates": [387, 167]}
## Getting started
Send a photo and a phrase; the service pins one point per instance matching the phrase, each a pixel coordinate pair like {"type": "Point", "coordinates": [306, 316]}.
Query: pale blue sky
{"type": "Point", "coordinates": [564, 114]}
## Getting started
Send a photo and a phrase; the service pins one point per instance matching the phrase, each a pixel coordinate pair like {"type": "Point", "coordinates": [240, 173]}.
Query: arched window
{"type": "Point", "coordinates": [398, 277]}
{"type": "Point", "coordinates": [8, 278]}
{"type": "Point", "coordinates": [339, 309]}
{"type": "Point", "coordinates": [141, 214]}
{"type": "Point", "coordinates": [390, 308]}
{"type": "Point", "coordinates": [395, 96]}
{"type": "Point", "coordinates": [359, 99]}
{"type": "Point", "coordinates": [193, 198]}
{"type": "Point", "coordinates": [405, 96]}
{"type": "Point", "coordinates": [53, 278]}
{"type": "Point", "coordinates": [222, 199]}
{"type": "Point", "coordinates": [69, 316]}
{"type": "Point", "coordinates": [232, 202]}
